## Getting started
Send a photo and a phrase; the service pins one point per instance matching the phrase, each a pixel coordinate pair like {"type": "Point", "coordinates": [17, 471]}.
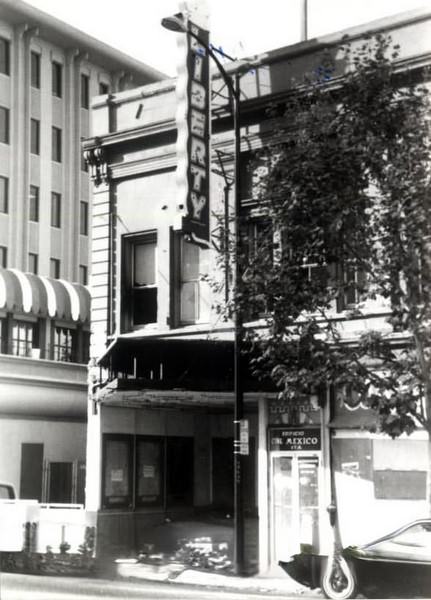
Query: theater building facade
{"type": "Point", "coordinates": [160, 414]}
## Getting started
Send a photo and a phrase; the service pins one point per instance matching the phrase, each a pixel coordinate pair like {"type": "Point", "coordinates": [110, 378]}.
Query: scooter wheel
{"type": "Point", "coordinates": [338, 580]}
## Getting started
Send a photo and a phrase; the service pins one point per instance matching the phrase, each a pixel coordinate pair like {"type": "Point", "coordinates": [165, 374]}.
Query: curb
{"type": "Point", "coordinates": [178, 573]}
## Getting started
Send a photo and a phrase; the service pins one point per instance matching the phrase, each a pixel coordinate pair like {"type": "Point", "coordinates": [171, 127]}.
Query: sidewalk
{"type": "Point", "coordinates": [276, 582]}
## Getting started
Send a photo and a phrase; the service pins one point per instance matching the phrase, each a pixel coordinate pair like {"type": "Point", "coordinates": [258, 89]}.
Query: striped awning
{"type": "Point", "coordinates": [43, 296]}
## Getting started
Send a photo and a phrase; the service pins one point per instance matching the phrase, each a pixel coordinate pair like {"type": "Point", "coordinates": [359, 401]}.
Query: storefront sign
{"type": "Point", "coordinates": [149, 472]}
{"type": "Point", "coordinates": [193, 142]}
{"type": "Point", "coordinates": [285, 439]}
{"type": "Point", "coordinates": [117, 475]}
{"type": "Point", "coordinates": [244, 448]}
{"type": "Point", "coordinates": [350, 468]}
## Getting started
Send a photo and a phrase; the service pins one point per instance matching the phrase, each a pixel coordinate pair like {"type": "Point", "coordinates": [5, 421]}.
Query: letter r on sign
{"type": "Point", "coordinates": [198, 152]}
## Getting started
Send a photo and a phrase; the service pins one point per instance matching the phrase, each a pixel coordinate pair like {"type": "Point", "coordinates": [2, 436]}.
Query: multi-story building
{"type": "Point", "coordinates": [49, 72]}
{"type": "Point", "coordinates": [160, 423]}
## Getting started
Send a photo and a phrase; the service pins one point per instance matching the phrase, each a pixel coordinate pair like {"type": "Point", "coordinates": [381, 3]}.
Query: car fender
{"type": "Point", "coordinates": [304, 568]}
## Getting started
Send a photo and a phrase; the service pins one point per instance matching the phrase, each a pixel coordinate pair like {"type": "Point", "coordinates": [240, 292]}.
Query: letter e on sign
{"type": "Point", "coordinates": [197, 95]}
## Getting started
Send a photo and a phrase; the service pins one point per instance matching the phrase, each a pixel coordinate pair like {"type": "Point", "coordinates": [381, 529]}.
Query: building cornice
{"type": "Point", "coordinates": [44, 382]}
{"type": "Point", "coordinates": [43, 417]}
{"type": "Point", "coordinates": [251, 111]}
{"type": "Point", "coordinates": [386, 24]}
{"type": "Point", "coordinates": [62, 375]}
{"type": "Point", "coordinates": [130, 135]}
{"type": "Point", "coordinates": [140, 93]}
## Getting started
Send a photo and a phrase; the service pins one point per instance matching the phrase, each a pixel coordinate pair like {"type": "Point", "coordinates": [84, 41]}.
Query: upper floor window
{"type": "Point", "coordinates": [83, 218]}
{"type": "Point", "coordinates": [315, 271]}
{"type": "Point", "coordinates": [57, 79]}
{"type": "Point", "coordinates": [252, 168]}
{"type": "Point", "coordinates": [83, 274]}
{"type": "Point", "coordinates": [103, 88]}
{"type": "Point", "coordinates": [35, 69]}
{"type": "Point", "coordinates": [345, 282]}
{"type": "Point", "coordinates": [24, 338]}
{"type": "Point", "coordinates": [3, 257]}
{"type": "Point", "coordinates": [351, 281]}
{"type": "Point", "coordinates": [257, 239]}
{"type": "Point", "coordinates": [33, 213]}
{"type": "Point", "coordinates": [55, 209]}
{"type": "Point", "coordinates": [194, 290]}
{"type": "Point", "coordinates": [4, 56]}
{"type": "Point", "coordinates": [33, 263]}
{"type": "Point", "coordinates": [140, 280]}
{"type": "Point", "coordinates": [56, 144]}
{"type": "Point", "coordinates": [85, 91]}
{"type": "Point", "coordinates": [4, 349]}
{"type": "Point", "coordinates": [34, 136]}
{"type": "Point", "coordinates": [4, 125]}
{"type": "Point", "coordinates": [85, 336]}
{"type": "Point", "coordinates": [64, 346]}
{"type": "Point", "coordinates": [4, 194]}
{"type": "Point", "coordinates": [84, 164]}
{"type": "Point", "coordinates": [54, 268]}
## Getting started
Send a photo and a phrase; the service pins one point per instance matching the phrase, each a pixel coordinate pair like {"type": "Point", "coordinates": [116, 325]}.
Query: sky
{"type": "Point", "coordinates": [239, 27]}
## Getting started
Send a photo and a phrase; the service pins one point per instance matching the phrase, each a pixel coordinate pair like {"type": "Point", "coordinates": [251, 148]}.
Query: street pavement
{"type": "Point", "coordinates": [34, 587]}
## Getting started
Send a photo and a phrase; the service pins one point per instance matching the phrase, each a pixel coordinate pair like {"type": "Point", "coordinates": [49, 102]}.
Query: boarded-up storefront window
{"type": "Point", "coordinates": [149, 471]}
{"type": "Point", "coordinates": [117, 465]}
{"type": "Point", "coordinates": [353, 458]}
{"type": "Point", "coordinates": [400, 485]}
{"type": "Point", "coordinates": [400, 469]}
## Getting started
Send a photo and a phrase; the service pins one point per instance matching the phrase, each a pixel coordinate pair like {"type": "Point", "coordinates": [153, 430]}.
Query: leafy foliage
{"type": "Point", "coordinates": [346, 194]}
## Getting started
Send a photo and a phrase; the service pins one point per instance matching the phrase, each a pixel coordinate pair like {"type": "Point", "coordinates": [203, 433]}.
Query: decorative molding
{"type": "Point", "coordinates": [120, 78]}
{"type": "Point", "coordinates": [163, 163]}
{"type": "Point", "coordinates": [96, 159]}
{"type": "Point", "coordinates": [138, 93]}
{"type": "Point", "coordinates": [137, 133]}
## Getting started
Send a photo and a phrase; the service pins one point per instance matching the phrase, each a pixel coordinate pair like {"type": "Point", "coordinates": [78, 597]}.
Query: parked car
{"type": "Point", "coordinates": [399, 563]}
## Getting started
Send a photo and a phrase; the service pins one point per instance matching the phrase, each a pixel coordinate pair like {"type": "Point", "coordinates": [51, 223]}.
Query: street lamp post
{"type": "Point", "coordinates": [178, 24]}
{"type": "Point", "coordinates": [238, 458]}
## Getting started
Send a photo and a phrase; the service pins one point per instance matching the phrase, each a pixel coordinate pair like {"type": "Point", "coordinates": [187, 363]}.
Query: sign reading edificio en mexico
{"type": "Point", "coordinates": [193, 142]}
{"type": "Point", "coordinates": [297, 439]}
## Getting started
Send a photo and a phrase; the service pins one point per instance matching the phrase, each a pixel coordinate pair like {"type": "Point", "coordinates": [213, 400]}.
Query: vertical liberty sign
{"type": "Point", "coordinates": [193, 142]}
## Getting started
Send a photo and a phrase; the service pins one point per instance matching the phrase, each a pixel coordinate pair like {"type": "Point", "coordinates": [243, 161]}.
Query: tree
{"type": "Point", "coordinates": [346, 194]}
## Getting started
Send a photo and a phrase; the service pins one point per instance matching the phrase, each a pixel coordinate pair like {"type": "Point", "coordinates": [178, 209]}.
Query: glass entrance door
{"type": "Point", "coordinates": [295, 504]}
